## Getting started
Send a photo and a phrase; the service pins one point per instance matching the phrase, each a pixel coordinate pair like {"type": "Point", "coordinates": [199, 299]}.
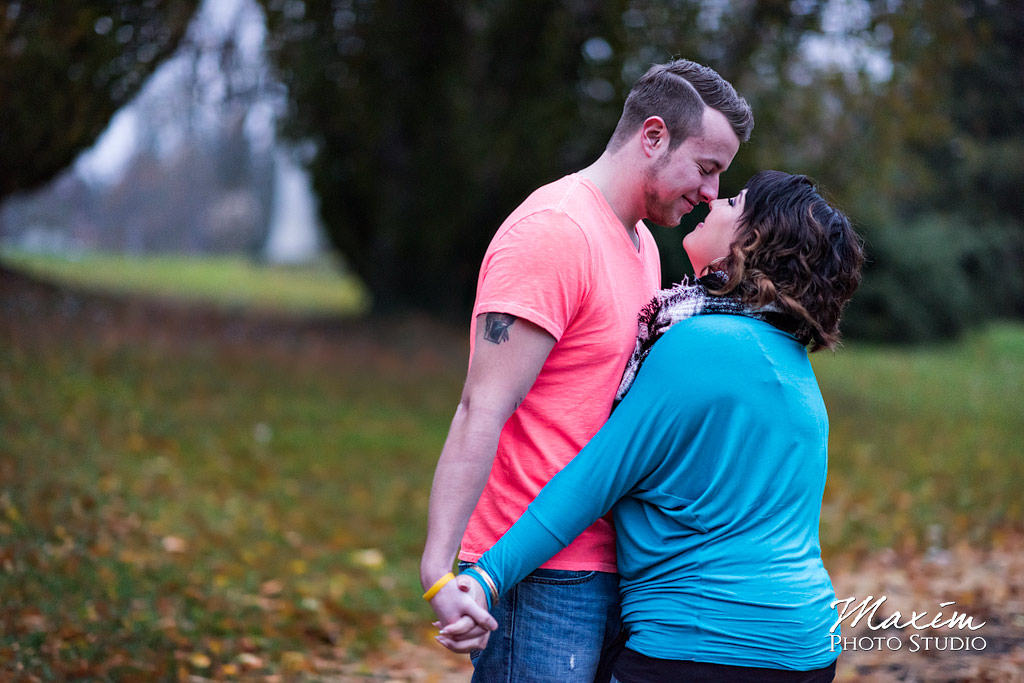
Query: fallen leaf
{"type": "Point", "coordinates": [370, 558]}
{"type": "Point", "coordinates": [294, 662]}
{"type": "Point", "coordinates": [249, 661]}
{"type": "Point", "coordinates": [34, 622]}
{"type": "Point", "coordinates": [199, 660]}
{"type": "Point", "coordinates": [174, 544]}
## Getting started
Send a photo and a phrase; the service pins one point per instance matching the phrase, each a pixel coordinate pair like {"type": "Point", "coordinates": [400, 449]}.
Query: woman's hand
{"type": "Point", "coordinates": [464, 604]}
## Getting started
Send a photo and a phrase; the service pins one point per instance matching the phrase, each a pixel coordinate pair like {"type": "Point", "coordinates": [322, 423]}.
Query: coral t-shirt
{"type": "Point", "coordinates": [563, 261]}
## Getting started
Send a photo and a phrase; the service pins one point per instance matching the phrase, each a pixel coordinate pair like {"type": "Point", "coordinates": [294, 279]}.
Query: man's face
{"type": "Point", "coordinates": [678, 180]}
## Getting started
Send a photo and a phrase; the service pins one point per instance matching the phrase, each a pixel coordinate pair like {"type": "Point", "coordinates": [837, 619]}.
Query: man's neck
{"type": "Point", "coordinates": [615, 177]}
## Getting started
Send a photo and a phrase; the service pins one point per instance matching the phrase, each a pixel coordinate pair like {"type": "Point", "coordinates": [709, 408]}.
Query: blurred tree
{"type": "Point", "coordinates": [432, 120]}
{"type": "Point", "coordinates": [908, 113]}
{"type": "Point", "coordinates": [935, 166]}
{"type": "Point", "coordinates": [65, 68]}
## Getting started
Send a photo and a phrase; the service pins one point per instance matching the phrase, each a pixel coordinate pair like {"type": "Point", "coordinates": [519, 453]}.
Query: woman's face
{"type": "Point", "coordinates": [711, 239]}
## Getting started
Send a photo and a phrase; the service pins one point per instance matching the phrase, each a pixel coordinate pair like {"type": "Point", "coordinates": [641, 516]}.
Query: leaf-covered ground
{"type": "Point", "coordinates": [193, 494]}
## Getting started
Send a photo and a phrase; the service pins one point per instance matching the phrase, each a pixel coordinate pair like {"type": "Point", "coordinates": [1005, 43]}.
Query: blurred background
{"type": "Point", "coordinates": [397, 137]}
{"type": "Point", "coordinates": [239, 242]}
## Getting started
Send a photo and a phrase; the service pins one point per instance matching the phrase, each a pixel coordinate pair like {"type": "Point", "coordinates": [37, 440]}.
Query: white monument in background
{"type": "Point", "coordinates": [293, 231]}
{"type": "Point", "coordinates": [294, 234]}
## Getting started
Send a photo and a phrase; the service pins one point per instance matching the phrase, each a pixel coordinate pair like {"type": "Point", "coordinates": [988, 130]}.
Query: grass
{"type": "Point", "coordinates": [927, 444]}
{"type": "Point", "coordinates": [169, 509]}
{"type": "Point", "coordinates": [238, 501]}
{"type": "Point", "coordinates": [321, 287]}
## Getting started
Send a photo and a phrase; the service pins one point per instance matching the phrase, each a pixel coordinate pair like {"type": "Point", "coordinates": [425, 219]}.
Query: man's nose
{"type": "Point", "coordinates": [709, 190]}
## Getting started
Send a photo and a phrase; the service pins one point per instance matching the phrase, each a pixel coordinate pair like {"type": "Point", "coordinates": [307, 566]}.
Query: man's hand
{"type": "Point", "coordinates": [469, 624]}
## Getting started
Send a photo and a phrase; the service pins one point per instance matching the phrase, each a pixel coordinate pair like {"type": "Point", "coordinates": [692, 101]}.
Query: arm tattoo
{"type": "Point", "coordinates": [496, 329]}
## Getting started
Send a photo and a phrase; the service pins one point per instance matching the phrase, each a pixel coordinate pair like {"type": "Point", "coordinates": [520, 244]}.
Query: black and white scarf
{"type": "Point", "coordinates": [668, 307]}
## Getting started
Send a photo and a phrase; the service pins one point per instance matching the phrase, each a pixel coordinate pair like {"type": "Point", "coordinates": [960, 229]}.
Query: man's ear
{"type": "Point", "coordinates": [654, 136]}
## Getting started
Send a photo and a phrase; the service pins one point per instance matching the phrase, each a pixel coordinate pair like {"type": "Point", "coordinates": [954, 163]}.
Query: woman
{"type": "Point", "coordinates": [714, 462]}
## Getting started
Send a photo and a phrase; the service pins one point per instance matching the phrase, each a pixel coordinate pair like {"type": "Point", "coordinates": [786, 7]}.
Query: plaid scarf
{"type": "Point", "coordinates": [670, 306]}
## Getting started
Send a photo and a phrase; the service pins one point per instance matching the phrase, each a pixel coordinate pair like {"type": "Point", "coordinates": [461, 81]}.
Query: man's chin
{"type": "Point", "coordinates": [666, 221]}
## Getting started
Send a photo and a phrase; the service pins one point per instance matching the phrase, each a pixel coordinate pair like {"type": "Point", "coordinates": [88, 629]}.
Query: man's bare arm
{"type": "Point", "coordinates": [507, 357]}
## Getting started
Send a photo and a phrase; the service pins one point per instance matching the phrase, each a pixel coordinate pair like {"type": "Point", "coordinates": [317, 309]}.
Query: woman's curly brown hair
{"type": "Point", "coordinates": [792, 249]}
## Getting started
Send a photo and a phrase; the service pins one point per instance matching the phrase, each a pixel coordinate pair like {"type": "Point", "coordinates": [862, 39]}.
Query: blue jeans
{"type": "Point", "coordinates": [552, 626]}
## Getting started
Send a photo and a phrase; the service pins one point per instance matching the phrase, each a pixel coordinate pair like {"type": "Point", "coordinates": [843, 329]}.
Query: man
{"type": "Point", "coordinates": [554, 323]}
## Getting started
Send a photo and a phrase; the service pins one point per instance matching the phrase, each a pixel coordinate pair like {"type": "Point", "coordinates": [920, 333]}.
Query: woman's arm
{"type": "Point", "coordinates": [642, 432]}
{"type": "Point", "coordinates": [648, 425]}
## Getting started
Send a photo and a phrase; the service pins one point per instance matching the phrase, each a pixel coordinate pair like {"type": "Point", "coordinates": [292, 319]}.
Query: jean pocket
{"type": "Point", "coordinates": [560, 577]}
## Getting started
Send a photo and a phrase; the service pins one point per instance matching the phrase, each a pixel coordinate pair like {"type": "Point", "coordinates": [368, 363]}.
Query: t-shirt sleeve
{"type": "Point", "coordinates": [539, 269]}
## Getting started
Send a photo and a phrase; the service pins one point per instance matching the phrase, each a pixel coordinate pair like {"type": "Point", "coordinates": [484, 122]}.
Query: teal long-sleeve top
{"type": "Point", "coordinates": [714, 468]}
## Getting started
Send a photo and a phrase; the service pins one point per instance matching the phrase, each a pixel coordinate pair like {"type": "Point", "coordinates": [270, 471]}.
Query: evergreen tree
{"type": "Point", "coordinates": [65, 68]}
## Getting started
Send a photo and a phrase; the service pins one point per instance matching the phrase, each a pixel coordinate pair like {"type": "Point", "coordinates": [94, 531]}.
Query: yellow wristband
{"type": "Point", "coordinates": [438, 585]}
